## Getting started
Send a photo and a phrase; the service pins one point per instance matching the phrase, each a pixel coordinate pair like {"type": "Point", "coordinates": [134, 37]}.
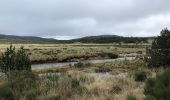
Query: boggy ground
{"type": "Point", "coordinates": [103, 81]}
{"type": "Point", "coordinates": [44, 53]}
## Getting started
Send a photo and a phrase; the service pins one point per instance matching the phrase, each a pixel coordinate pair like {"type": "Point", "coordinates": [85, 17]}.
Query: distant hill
{"type": "Point", "coordinates": [88, 39]}
{"type": "Point", "coordinates": [111, 39]}
{"type": "Point", "coordinates": [25, 39]}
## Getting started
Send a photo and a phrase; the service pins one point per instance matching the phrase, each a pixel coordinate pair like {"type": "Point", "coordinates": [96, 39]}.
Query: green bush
{"type": "Point", "coordinates": [31, 94]}
{"type": "Point", "coordinates": [21, 82]}
{"type": "Point", "coordinates": [159, 87]}
{"type": "Point", "coordinates": [5, 92]}
{"type": "Point", "coordinates": [140, 76]}
{"type": "Point", "coordinates": [149, 97]}
{"type": "Point", "coordinates": [75, 83]}
{"type": "Point", "coordinates": [12, 60]}
{"type": "Point", "coordinates": [55, 98]}
{"type": "Point", "coordinates": [131, 97]}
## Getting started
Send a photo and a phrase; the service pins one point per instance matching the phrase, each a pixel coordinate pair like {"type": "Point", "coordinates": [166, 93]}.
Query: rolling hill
{"type": "Point", "coordinates": [88, 39]}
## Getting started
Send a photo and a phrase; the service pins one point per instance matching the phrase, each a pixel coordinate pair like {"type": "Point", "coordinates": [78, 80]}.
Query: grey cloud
{"type": "Point", "coordinates": [77, 18]}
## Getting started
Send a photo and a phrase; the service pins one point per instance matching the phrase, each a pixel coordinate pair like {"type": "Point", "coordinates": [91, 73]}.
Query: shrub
{"type": "Point", "coordinates": [140, 76]}
{"type": "Point", "coordinates": [131, 97]}
{"type": "Point", "coordinates": [21, 82]}
{"type": "Point", "coordinates": [5, 92]}
{"type": "Point", "coordinates": [30, 94]}
{"type": "Point", "coordinates": [55, 98]}
{"type": "Point", "coordinates": [75, 83]}
{"type": "Point", "coordinates": [22, 61]}
{"type": "Point", "coordinates": [149, 97]}
{"type": "Point", "coordinates": [12, 60]}
{"type": "Point", "coordinates": [159, 87]}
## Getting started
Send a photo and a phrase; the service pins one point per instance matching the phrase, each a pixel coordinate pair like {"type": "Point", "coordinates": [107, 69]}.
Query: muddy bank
{"type": "Point", "coordinates": [75, 58]}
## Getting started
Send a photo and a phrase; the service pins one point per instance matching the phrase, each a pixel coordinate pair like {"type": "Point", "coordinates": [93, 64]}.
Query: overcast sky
{"type": "Point", "coordinates": [65, 19]}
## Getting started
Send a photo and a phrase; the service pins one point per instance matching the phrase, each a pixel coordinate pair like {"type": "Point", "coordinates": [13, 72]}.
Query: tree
{"type": "Point", "coordinates": [159, 53]}
{"type": "Point", "coordinates": [12, 60]}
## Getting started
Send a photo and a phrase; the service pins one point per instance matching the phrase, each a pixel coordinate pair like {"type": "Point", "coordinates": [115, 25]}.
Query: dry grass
{"type": "Point", "coordinates": [104, 87]}
{"type": "Point", "coordinates": [60, 52]}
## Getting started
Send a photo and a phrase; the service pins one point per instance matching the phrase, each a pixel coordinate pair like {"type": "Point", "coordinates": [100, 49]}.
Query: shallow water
{"type": "Point", "coordinates": [59, 64]}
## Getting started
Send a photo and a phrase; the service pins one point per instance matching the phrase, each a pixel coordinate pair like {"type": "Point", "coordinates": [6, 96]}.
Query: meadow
{"type": "Point", "coordinates": [85, 81]}
{"type": "Point", "coordinates": [43, 53]}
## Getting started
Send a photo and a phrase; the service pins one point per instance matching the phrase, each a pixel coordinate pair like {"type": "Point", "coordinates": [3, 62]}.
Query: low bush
{"type": "Point", "coordinates": [158, 87]}
{"type": "Point", "coordinates": [140, 76]}
{"type": "Point", "coordinates": [75, 83]}
{"type": "Point", "coordinates": [20, 82]}
{"type": "Point", "coordinates": [55, 98]}
{"type": "Point", "coordinates": [131, 97]}
{"type": "Point", "coordinates": [5, 92]}
{"type": "Point", "coordinates": [31, 94]}
{"type": "Point", "coordinates": [149, 97]}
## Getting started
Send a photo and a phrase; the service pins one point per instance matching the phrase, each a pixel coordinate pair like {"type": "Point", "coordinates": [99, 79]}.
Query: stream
{"type": "Point", "coordinates": [59, 64]}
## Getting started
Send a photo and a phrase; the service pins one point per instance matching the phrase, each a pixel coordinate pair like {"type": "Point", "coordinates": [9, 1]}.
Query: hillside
{"type": "Point", "coordinates": [88, 39]}
{"type": "Point", "coordinates": [24, 39]}
{"type": "Point", "coordinates": [111, 39]}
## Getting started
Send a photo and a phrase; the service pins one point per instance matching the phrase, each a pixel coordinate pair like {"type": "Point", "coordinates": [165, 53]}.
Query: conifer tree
{"type": "Point", "coordinates": [159, 54]}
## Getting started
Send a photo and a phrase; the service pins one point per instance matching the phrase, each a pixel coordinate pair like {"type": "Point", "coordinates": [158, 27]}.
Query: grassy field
{"type": "Point", "coordinates": [41, 53]}
{"type": "Point", "coordinates": [101, 81]}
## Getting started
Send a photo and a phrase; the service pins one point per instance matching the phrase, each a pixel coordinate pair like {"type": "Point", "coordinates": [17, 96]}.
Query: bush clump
{"type": "Point", "coordinates": [12, 60]}
{"type": "Point", "coordinates": [149, 97]}
{"type": "Point", "coordinates": [21, 82]}
{"type": "Point", "coordinates": [31, 94]}
{"type": "Point", "coordinates": [5, 92]}
{"type": "Point", "coordinates": [131, 97]}
{"type": "Point", "coordinates": [158, 87]}
{"type": "Point", "coordinates": [140, 76]}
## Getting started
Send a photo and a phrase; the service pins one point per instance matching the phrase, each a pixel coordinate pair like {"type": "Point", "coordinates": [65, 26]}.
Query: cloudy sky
{"type": "Point", "coordinates": [65, 19]}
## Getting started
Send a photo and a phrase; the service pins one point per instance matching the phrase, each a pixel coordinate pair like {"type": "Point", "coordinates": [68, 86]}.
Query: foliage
{"type": "Point", "coordinates": [5, 92]}
{"type": "Point", "coordinates": [55, 98]}
{"type": "Point", "coordinates": [140, 76]}
{"type": "Point", "coordinates": [131, 97]}
{"type": "Point", "coordinates": [31, 94]}
{"type": "Point", "coordinates": [159, 87]}
{"type": "Point", "coordinates": [75, 83]}
{"type": "Point", "coordinates": [12, 60]}
{"type": "Point", "coordinates": [8, 60]}
{"type": "Point", "coordinates": [22, 61]}
{"type": "Point", "coordinates": [149, 97]}
{"type": "Point", "coordinates": [21, 82]}
{"type": "Point", "coordinates": [159, 54]}
{"type": "Point", "coordinates": [108, 39]}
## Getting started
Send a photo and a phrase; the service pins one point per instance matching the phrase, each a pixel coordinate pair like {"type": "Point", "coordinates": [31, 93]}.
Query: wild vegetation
{"type": "Point", "coordinates": [136, 79]}
{"type": "Point", "coordinates": [159, 54]}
